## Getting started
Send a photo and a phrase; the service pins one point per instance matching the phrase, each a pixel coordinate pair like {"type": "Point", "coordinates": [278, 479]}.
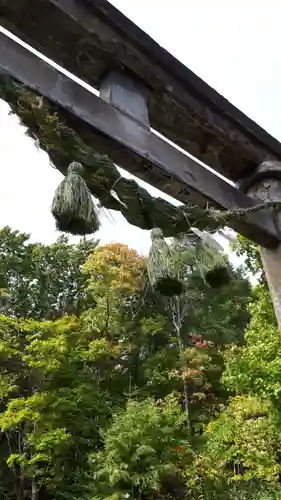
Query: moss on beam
{"type": "Point", "coordinates": [45, 124]}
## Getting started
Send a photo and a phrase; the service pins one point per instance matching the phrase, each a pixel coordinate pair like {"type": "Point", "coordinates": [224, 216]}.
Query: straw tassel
{"type": "Point", "coordinates": [73, 207]}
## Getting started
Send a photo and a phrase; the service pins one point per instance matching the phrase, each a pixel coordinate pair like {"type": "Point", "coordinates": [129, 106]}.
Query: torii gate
{"type": "Point", "coordinates": [142, 86]}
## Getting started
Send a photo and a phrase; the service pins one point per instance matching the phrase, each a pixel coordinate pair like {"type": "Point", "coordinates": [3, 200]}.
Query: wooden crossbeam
{"type": "Point", "coordinates": [131, 144]}
{"type": "Point", "coordinates": [90, 37]}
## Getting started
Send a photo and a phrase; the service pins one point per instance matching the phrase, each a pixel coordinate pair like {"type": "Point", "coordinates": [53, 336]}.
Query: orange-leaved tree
{"type": "Point", "coordinates": [115, 268]}
{"type": "Point", "coordinates": [116, 275]}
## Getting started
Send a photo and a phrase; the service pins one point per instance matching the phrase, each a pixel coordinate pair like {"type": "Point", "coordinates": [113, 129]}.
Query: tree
{"type": "Point", "coordinates": [195, 332]}
{"type": "Point", "coordinates": [143, 446]}
{"type": "Point", "coordinates": [44, 281]}
{"type": "Point", "coordinates": [255, 368]}
{"type": "Point", "coordinates": [53, 404]}
{"type": "Point", "coordinates": [54, 388]}
{"type": "Point", "coordinates": [243, 443]}
{"type": "Point", "coordinates": [221, 315]}
{"type": "Point", "coordinates": [253, 263]}
{"type": "Point", "coordinates": [239, 458]}
{"type": "Point", "coordinates": [78, 381]}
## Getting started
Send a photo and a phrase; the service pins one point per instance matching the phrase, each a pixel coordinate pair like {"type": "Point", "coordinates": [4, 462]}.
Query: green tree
{"type": "Point", "coordinates": [243, 443]}
{"type": "Point", "coordinates": [202, 318]}
{"type": "Point", "coordinates": [221, 315]}
{"type": "Point", "coordinates": [251, 253]}
{"type": "Point", "coordinates": [74, 379]}
{"type": "Point", "coordinates": [144, 446]}
{"type": "Point", "coordinates": [53, 404]}
{"type": "Point", "coordinates": [255, 368]}
{"type": "Point", "coordinates": [60, 382]}
{"type": "Point", "coordinates": [44, 281]}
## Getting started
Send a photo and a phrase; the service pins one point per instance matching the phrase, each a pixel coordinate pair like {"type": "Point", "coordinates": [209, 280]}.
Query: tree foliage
{"type": "Point", "coordinates": [110, 391]}
{"type": "Point", "coordinates": [44, 281]}
{"type": "Point", "coordinates": [145, 442]}
{"type": "Point", "coordinates": [251, 253]}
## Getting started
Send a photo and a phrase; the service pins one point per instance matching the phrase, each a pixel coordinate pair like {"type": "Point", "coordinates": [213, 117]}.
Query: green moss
{"type": "Point", "coordinates": [63, 145]}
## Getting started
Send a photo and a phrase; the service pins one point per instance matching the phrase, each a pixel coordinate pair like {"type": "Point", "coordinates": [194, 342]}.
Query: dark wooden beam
{"type": "Point", "coordinates": [90, 37]}
{"type": "Point", "coordinates": [131, 144]}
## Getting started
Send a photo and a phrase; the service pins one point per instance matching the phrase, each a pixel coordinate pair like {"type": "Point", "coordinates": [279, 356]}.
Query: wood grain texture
{"type": "Point", "coordinates": [90, 37]}
{"type": "Point", "coordinates": [131, 144]}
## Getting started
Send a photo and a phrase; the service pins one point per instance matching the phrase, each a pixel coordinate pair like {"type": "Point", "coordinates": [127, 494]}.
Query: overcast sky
{"type": "Point", "coordinates": [232, 45]}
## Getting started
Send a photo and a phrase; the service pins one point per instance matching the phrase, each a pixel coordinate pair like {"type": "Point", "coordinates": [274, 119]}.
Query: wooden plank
{"type": "Point", "coordinates": [89, 37]}
{"type": "Point", "coordinates": [130, 144]}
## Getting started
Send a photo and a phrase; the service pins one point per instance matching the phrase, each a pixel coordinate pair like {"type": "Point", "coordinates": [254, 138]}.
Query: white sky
{"type": "Point", "coordinates": [232, 45]}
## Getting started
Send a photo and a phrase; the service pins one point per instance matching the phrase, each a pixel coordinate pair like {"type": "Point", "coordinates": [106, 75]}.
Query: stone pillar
{"type": "Point", "coordinates": [265, 185]}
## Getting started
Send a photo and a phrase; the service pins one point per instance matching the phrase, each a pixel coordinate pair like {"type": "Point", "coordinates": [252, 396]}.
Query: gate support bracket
{"type": "Point", "coordinates": [125, 94]}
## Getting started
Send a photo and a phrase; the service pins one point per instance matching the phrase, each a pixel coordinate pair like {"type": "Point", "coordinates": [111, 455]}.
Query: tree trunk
{"type": "Point", "coordinates": [34, 489]}
{"type": "Point", "coordinates": [177, 323]}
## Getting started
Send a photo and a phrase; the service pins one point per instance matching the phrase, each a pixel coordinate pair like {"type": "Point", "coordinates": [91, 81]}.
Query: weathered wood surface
{"type": "Point", "coordinates": [131, 144]}
{"type": "Point", "coordinates": [265, 184]}
{"type": "Point", "coordinates": [89, 37]}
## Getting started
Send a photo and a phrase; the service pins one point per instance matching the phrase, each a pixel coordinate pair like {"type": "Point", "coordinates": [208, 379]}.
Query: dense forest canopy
{"type": "Point", "coordinates": [111, 391]}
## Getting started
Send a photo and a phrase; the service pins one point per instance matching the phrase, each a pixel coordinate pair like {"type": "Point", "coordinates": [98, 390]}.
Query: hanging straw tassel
{"type": "Point", "coordinates": [212, 266]}
{"type": "Point", "coordinates": [162, 270]}
{"type": "Point", "coordinates": [73, 207]}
